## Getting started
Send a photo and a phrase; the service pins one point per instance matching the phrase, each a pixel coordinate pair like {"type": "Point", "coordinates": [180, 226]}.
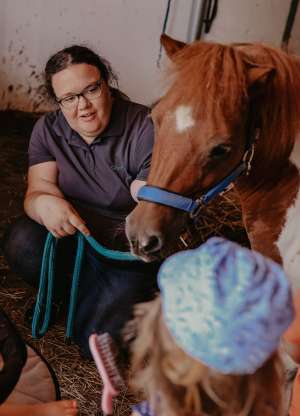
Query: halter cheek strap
{"type": "Point", "coordinates": [193, 206]}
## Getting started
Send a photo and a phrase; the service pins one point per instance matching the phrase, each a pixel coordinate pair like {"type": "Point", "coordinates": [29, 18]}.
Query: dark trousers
{"type": "Point", "coordinates": [107, 289]}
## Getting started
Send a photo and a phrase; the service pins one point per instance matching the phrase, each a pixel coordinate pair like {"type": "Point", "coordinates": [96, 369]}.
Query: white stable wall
{"type": "Point", "coordinates": [126, 32]}
{"type": "Point", "coordinates": [254, 21]}
{"type": "Point", "coordinates": [250, 21]}
{"type": "Point", "coordinates": [294, 44]}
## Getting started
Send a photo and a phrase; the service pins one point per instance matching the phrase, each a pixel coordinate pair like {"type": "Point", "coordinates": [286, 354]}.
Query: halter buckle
{"type": "Point", "coordinates": [195, 213]}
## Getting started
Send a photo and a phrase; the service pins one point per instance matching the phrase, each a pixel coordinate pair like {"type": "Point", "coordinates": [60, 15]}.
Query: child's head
{"type": "Point", "coordinates": [208, 344]}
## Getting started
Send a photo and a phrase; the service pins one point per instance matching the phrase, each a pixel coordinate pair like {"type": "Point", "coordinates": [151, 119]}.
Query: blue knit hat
{"type": "Point", "coordinates": [225, 305]}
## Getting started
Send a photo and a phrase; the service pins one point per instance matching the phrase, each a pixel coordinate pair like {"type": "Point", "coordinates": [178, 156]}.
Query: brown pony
{"type": "Point", "coordinates": [220, 95]}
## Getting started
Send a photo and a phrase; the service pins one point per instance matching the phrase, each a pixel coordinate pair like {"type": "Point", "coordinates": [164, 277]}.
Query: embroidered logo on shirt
{"type": "Point", "coordinates": [117, 168]}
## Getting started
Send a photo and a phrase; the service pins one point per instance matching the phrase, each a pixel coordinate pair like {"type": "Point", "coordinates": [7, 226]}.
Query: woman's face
{"type": "Point", "coordinates": [90, 115]}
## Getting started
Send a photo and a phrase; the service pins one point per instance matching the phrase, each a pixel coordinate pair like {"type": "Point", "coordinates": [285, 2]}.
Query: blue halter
{"type": "Point", "coordinates": [193, 206]}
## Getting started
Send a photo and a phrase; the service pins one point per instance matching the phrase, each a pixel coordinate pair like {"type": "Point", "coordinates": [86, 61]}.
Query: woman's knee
{"type": "Point", "coordinates": [22, 245]}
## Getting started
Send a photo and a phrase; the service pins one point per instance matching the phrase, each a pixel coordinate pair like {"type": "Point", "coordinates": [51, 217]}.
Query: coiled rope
{"type": "Point", "coordinates": [45, 293]}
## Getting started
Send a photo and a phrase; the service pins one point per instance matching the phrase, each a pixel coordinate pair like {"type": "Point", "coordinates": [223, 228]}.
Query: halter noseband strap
{"type": "Point", "coordinates": [193, 206]}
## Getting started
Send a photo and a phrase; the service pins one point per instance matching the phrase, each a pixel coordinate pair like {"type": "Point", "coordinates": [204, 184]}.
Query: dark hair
{"type": "Point", "coordinates": [76, 54]}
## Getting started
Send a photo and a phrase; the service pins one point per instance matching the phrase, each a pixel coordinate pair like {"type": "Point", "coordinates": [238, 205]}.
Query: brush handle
{"type": "Point", "coordinates": [109, 391]}
{"type": "Point", "coordinates": [107, 402]}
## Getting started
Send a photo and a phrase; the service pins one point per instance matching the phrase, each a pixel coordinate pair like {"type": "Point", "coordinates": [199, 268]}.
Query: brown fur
{"type": "Point", "coordinates": [206, 73]}
{"type": "Point", "coordinates": [231, 89]}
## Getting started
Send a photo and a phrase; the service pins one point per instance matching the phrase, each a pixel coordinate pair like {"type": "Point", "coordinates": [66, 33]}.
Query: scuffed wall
{"type": "Point", "coordinates": [20, 81]}
{"type": "Point", "coordinates": [126, 32]}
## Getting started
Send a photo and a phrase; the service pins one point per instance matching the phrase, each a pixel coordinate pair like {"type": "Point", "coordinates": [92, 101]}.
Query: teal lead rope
{"type": "Point", "coordinates": [47, 275]}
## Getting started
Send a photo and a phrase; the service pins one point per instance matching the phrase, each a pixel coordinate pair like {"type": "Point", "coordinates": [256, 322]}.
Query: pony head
{"type": "Point", "coordinates": [218, 96]}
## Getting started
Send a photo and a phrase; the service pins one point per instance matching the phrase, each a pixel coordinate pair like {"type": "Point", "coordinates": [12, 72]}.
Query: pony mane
{"type": "Point", "coordinates": [213, 77]}
{"type": "Point", "coordinates": [204, 73]}
{"type": "Point", "coordinates": [280, 102]}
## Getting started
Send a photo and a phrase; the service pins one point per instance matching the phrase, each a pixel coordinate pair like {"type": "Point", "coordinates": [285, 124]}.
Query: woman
{"type": "Point", "coordinates": [87, 161]}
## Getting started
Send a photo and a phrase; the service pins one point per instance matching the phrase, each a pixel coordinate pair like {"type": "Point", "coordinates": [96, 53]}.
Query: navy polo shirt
{"type": "Point", "coordinates": [97, 174]}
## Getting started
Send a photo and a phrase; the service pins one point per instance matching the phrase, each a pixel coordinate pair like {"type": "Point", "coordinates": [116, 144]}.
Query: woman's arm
{"type": "Point", "coordinates": [42, 179]}
{"type": "Point", "coordinates": [45, 203]}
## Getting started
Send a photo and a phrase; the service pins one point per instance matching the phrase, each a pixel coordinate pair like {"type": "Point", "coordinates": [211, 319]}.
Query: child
{"type": "Point", "coordinates": [12, 360]}
{"type": "Point", "coordinates": [207, 346]}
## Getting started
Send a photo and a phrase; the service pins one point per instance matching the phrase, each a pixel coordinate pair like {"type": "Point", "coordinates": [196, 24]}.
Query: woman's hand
{"type": "Point", "coordinates": [59, 216]}
{"type": "Point", "coordinates": [46, 204]}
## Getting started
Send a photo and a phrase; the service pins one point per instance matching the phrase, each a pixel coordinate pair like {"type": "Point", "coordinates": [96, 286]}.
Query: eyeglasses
{"type": "Point", "coordinates": [91, 92]}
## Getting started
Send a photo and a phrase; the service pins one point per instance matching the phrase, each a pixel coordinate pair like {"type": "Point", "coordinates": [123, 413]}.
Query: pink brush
{"type": "Point", "coordinates": [103, 351]}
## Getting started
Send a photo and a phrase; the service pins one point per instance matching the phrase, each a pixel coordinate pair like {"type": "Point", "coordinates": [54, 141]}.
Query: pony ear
{"type": "Point", "coordinates": [170, 45]}
{"type": "Point", "coordinates": [260, 75]}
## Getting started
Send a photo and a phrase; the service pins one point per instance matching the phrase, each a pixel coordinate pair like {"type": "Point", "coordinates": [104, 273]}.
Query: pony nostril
{"type": "Point", "coordinates": [151, 245]}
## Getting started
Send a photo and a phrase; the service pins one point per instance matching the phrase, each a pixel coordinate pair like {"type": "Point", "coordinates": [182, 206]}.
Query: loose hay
{"type": "Point", "coordinates": [78, 378]}
{"type": "Point", "coordinates": [221, 217]}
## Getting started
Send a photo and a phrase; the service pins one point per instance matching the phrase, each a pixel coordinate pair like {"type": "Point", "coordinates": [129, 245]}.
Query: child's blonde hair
{"type": "Point", "coordinates": [177, 384]}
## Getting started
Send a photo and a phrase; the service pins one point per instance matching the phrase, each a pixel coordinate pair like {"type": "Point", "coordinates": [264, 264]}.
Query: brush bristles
{"type": "Point", "coordinates": [107, 350]}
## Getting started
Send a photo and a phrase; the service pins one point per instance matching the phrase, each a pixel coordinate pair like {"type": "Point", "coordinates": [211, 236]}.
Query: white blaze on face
{"type": "Point", "coordinates": [295, 155]}
{"type": "Point", "coordinates": [183, 117]}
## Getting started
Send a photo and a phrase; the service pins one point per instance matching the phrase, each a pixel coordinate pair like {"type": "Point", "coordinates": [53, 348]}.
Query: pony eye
{"type": "Point", "coordinates": [219, 151]}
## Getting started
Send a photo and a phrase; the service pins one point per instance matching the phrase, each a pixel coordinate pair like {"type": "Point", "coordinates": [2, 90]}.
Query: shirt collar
{"type": "Point", "coordinates": [115, 126]}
